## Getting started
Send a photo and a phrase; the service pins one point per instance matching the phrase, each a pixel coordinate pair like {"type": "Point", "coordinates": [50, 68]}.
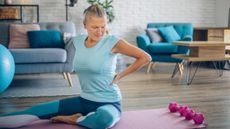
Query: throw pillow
{"type": "Point", "coordinates": [45, 39]}
{"type": "Point", "coordinates": [18, 35]}
{"type": "Point", "coordinates": [154, 35]}
{"type": "Point", "coordinates": [169, 33]}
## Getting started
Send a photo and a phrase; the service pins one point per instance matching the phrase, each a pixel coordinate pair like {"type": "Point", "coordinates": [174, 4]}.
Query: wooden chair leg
{"type": "Point", "coordinates": [64, 75]}
{"type": "Point", "coordinates": [149, 67]}
{"type": "Point", "coordinates": [153, 65]}
{"type": "Point", "coordinates": [69, 79]}
{"type": "Point", "coordinates": [181, 68]}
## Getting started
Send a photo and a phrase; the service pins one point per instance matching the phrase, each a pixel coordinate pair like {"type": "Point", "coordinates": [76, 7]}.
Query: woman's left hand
{"type": "Point", "coordinates": [115, 79]}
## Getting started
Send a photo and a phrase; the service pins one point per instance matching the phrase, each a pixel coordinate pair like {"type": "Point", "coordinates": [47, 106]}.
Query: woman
{"type": "Point", "coordinates": [99, 103]}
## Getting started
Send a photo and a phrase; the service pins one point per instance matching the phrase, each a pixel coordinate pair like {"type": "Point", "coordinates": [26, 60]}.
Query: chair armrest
{"type": "Point", "coordinates": [70, 49]}
{"type": "Point", "coordinates": [187, 38]}
{"type": "Point", "coordinates": [143, 41]}
{"type": "Point", "coordinates": [184, 49]}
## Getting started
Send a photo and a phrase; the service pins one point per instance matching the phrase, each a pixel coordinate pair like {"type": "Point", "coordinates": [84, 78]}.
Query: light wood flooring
{"type": "Point", "coordinates": [208, 94]}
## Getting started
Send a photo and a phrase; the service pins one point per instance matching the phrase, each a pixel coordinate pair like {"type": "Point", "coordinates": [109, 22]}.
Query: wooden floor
{"type": "Point", "coordinates": [207, 94]}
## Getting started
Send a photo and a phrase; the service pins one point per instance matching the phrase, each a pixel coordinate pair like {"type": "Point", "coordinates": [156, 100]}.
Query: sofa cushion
{"type": "Point", "coordinates": [154, 35]}
{"type": "Point", "coordinates": [18, 35]}
{"type": "Point", "coordinates": [162, 47]}
{"type": "Point", "coordinates": [169, 33]}
{"type": "Point", "coordinates": [45, 39]}
{"type": "Point", "coordinates": [39, 55]}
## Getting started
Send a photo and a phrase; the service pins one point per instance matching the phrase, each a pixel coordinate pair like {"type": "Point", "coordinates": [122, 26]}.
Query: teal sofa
{"type": "Point", "coordinates": [162, 51]}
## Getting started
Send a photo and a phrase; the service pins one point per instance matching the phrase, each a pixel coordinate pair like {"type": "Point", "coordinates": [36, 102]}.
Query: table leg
{"type": "Point", "coordinates": [175, 71]}
{"type": "Point", "coordinates": [189, 75]}
{"type": "Point", "coordinates": [221, 66]}
{"type": "Point", "coordinates": [218, 65]}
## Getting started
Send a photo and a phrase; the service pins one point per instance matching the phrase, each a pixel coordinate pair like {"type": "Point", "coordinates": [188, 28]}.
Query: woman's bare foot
{"type": "Point", "coordinates": [66, 119]}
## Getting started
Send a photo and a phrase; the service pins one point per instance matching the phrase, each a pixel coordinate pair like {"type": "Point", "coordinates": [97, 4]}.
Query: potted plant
{"type": "Point", "coordinates": [107, 5]}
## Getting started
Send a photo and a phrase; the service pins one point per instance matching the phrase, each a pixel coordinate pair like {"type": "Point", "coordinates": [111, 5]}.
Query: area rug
{"type": "Point", "coordinates": [41, 85]}
{"type": "Point", "coordinates": [141, 119]}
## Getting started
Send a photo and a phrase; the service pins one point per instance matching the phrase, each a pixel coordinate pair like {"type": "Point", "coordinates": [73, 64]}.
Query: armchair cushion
{"type": "Point", "coordinates": [169, 33]}
{"type": "Point", "coordinates": [162, 48]}
{"type": "Point", "coordinates": [45, 39]}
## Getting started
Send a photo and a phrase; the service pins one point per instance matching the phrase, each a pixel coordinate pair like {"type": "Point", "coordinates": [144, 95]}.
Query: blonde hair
{"type": "Point", "coordinates": [94, 10]}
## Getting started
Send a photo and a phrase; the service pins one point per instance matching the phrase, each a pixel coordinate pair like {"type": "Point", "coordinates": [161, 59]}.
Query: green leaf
{"type": "Point", "coordinates": [91, 1]}
{"type": "Point", "coordinates": [107, 5]}
{"type": "Point", "coordinates": [110, 2]}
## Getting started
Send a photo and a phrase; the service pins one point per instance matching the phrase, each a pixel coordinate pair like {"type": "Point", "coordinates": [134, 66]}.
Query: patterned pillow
{"type": "Point", "coordinates": [18, 35]}
{"type": "Point", "coordinates": [154, 35]}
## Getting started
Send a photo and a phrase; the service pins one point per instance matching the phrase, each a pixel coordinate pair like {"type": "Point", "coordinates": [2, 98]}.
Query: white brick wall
{"type": "Point", "coordinates": [132, 16]}
{"type": "Point", "coordinates": [222, 13]}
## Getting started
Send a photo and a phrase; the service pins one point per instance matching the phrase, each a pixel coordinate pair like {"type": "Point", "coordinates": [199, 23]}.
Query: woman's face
{"type": "Point", "coordinates": [96, 27]}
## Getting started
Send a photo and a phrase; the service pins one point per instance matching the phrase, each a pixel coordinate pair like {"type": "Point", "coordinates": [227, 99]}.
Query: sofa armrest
{"type": "Point", "coordinates": [70, 49]}
{"type": "Point", "coordinates": [143, 41]}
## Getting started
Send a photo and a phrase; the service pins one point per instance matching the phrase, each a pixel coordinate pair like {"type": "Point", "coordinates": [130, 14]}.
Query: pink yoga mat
{"type": "Point", "coordinates": [141, 119]}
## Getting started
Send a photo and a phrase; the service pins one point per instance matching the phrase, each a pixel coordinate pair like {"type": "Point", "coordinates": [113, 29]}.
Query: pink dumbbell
{"type": "Point", "coordinates": [189, 114]}
{"type": "Point", "coordinates": [198, 118]}
{"type": "Point", "coordinates": [183, 110]}
{"type": "Point", "coordinates": [173, 107]}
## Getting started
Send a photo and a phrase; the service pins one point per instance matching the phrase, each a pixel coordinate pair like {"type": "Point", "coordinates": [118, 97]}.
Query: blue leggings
{"type": "Point", "coordinates": [96, 115]}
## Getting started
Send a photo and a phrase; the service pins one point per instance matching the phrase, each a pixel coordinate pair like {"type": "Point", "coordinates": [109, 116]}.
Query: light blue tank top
{"type": "Point", "coordinates": [95, 68]}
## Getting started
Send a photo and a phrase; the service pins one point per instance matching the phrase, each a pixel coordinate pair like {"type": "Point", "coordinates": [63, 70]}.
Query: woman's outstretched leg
{"type": "Point", "coordinates": [42, 110]}
{"type": "Point", "coordinates": [25, 117]}
{"type": "Point", "coordinates": [50, 109]}
{"type": "Point", "coordinates": [46, 110]}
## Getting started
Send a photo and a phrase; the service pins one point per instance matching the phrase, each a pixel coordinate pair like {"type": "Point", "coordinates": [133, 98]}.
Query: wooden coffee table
{"type": "Point", "coordinates": [201, 51]}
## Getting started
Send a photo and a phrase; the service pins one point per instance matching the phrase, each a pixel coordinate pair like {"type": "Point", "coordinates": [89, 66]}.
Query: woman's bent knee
{"type": "Point", "coordinates": [101, 119]}
{"type": "Point", "coordinates": [107, 119]}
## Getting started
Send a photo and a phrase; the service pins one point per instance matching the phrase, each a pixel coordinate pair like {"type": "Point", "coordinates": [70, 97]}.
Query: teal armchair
{"type": "Point", "coordinates": [162, 51]}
